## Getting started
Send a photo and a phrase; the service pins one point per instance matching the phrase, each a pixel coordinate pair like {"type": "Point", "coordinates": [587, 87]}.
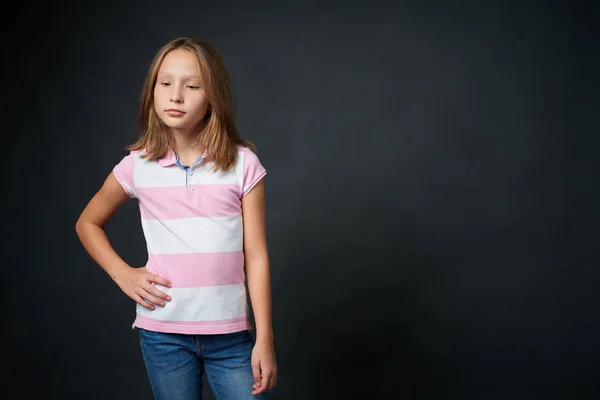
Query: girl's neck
{"type": "Point", "coordinates": [186, 146]}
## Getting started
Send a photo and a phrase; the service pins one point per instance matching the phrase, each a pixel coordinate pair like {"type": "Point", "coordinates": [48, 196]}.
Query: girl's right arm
{"type": "Point", "coordinates": [134, 282]}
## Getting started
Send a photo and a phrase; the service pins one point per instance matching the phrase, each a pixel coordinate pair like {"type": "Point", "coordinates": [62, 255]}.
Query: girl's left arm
{"type": "Point", "coordinates": [259, 285]}
{"type": "Point", "coordinates": [257, 260]}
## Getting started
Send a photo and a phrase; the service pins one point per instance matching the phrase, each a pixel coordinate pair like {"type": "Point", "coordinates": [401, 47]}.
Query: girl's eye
{"type": "Point", "coordinates": [165, 83]}
{"type": "Point", "coordinates": [193, 87]}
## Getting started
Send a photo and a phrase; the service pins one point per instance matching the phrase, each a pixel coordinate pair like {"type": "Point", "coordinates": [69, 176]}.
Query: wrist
{"type": "Point", "coordinates": [117, 271]}
{"type": "Point", "coordinates": [264, 337]}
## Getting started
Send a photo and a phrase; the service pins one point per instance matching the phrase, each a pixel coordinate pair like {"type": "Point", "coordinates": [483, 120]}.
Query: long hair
{"type": "Point", "coordinates": [220, 136]}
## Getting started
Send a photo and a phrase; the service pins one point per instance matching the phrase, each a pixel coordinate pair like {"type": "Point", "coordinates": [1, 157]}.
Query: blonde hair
{"type": "Point", "coordinates": [220, 136]}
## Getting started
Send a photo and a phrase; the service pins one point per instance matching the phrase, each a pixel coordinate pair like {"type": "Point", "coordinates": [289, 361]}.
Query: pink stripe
{"type": "Point", "coordinates": [179, 202]}
{"type": "Point", "coordinates": [124, 173]}
{"type": "Point", "coordinates": [125, 169]}
{"type": "Point", "coordinates": [200, 269]}
{"type": "Point", "coordinates": [193, 327]}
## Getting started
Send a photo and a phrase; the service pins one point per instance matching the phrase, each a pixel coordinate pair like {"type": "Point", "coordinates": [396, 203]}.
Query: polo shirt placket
{"type": "Point", "coordinates": [189, 171]}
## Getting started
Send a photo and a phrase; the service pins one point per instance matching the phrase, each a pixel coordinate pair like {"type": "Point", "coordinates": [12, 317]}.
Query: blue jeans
{"type": "Point", "coordinates": [176, 362]}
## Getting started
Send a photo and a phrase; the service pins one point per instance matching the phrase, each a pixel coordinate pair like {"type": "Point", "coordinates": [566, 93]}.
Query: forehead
{"type": "Point", "coordinates": [179, 61]}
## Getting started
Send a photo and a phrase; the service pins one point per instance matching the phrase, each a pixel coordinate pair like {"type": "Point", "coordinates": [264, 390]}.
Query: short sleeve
{"type": "Point", "coordinates": [253, 171]}
{"type": "Point", "coordinates": [123, 171]}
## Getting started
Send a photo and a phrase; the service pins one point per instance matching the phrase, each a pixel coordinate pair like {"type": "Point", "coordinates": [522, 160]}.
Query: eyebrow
{"type": "Point", "coordinates": [185, 77]}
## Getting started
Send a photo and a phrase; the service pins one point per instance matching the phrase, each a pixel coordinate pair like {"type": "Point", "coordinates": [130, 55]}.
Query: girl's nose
{"type": "Point", "coordinates": [176, 96]}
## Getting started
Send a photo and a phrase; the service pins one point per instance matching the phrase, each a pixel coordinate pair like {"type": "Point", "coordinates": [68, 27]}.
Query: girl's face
{"type": "Point", "coordinates": [179, 99]}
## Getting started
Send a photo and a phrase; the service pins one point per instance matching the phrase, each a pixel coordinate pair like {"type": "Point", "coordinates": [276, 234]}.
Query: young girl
{"type": "Point", "coordinates": [201, 197]}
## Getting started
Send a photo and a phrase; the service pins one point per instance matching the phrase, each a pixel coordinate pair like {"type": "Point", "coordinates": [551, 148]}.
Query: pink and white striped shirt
{"type": "Point", "coordinates": [192, 223]}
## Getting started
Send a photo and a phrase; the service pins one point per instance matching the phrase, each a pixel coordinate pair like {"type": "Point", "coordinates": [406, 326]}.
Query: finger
{"type": "Point", "coordinates": [256, 386]}
{"type": "Point", "coordinates": [264, 383]}
{"type": "Point", "coordinates": [148, 297]}
{"type": "Point", "coordinates": [157, 293]}
{"type": "Point", "coordinates": [266, 380]}
{"type": "Point", "coordinates": [273, 380]}
{"type": "Point", "coordinates": [142, 302]}
{"type": "Point", "coordinates": [158, 279]}
{"type": "Point", "coordinates": [256, 374]}
{"type": "Point", "coordinates": [259, 390]}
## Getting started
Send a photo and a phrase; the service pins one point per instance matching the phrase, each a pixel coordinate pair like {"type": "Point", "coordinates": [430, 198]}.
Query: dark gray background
{"type": "Point", "coordinates": [431, 196]}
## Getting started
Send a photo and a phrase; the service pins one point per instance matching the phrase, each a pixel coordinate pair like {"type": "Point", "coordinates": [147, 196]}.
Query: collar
{"type": "Point", "coordinates": [171, 158]}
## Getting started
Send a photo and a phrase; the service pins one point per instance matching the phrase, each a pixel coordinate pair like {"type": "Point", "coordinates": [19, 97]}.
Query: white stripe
{"type": "Point", "coordinates": [152, 174]}
{"type": "Point", "coordinates": [208, 303]}
{"type": "Point", "coordinates": [203, 175]}
{"type": "Point", "coordinates": [193, 235]}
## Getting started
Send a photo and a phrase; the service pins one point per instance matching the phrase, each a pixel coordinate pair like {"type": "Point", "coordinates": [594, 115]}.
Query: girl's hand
{"type": "Point", "coordinates": [137, 284]}
{"type": "Point", "coordinates": [264, 367]}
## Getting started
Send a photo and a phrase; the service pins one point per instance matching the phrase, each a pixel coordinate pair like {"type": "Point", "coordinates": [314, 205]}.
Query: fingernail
{"type": "Point", "coordinates": [168, 298]}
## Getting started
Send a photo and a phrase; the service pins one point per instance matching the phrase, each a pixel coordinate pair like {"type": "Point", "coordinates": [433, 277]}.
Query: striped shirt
{"type": "Point", "coordinates": [192, 222]}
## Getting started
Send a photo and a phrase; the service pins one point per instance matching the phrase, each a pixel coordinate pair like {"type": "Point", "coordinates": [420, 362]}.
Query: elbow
{"type": "Point", "coordinates": [256, 257]}
{"type": "Point", "coordinates": [256, 252]}
{"type": "Point", "coordinates": [82, 226]}
{"type": "Point", "coordinates": [78, 227]}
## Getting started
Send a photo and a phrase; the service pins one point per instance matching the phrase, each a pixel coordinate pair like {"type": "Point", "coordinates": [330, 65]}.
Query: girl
{"type": "Point", "coordinates": [201, 197]}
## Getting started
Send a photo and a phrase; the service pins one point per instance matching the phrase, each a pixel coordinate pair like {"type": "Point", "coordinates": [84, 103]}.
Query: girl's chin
{"type": "Point", "coordinates": [183, 128]}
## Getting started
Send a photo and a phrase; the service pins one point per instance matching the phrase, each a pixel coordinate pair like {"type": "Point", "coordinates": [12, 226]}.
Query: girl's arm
{"type": "Point", "coordinates": [135, 282]}
{"type": "Point", "coordinates": [264, 362]}
{"type": "Point", "coordinates": [257, 261]}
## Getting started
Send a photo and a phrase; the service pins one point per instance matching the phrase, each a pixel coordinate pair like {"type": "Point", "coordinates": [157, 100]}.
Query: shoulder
{"type": "Point", "coordinates": [138, 153]}
{"type": "Point", "coordinates": [133, 160]}
{"type": "Point", "coordinates": [133, 154]}
{"type": "Point", "coordinates": [247, 155]}
{"type": "Point", "coordinates": [242, 149]}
